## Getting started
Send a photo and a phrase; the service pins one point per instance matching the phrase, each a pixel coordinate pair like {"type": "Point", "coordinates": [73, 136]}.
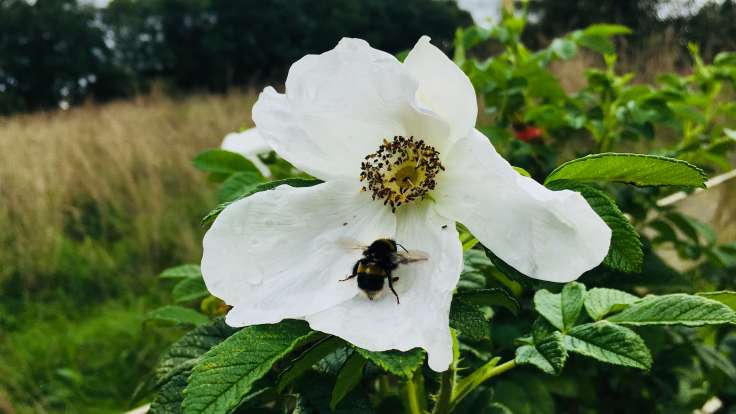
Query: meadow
{"type": "Point", "coordinates": [94, 202]}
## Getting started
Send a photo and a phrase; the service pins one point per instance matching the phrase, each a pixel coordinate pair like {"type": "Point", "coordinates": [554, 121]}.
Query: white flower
{"type": "Point", "coordinates": [249, 144]}
{"type": "Point", "coordinates": [356, 117]}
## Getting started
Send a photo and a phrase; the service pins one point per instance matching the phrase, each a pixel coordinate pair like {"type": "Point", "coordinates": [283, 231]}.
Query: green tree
{"type": "Point", "coordinates": [53, 51]}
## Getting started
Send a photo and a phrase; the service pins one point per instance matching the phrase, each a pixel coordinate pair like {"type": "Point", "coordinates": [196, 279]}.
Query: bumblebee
{"type": "Point", "coordinates": [376, 266]}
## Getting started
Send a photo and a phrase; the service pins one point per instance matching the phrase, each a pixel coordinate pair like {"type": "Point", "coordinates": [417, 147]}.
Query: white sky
{"type": "Point", "coordinates": [98, 3]}
{"type": "Point", "coordinates": [676, 8]}
{"type": "Point", "coordinates": [487, 12]}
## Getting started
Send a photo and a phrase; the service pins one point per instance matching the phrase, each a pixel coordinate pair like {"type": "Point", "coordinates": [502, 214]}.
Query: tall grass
{"type": "Point", "coordinates": [107, 173]}
{"type": "Point", "coordinates": [94, 202]}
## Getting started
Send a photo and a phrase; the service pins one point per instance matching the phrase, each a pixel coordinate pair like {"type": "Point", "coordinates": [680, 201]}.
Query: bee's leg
{"type": "Point", "coordinates": [391, 281]}
{"type": "Point", "coordinates": [355, 273]}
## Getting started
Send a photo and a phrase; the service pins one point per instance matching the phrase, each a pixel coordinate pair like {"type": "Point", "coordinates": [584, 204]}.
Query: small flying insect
{"type": "Point", "coordinates": [379, 261]}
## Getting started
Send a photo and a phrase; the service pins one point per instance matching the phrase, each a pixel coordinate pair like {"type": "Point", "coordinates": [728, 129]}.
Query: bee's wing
{"type": "Point", "coordinates": [412, 256]}
{"type": "Point", "coordinates": [350, 244]}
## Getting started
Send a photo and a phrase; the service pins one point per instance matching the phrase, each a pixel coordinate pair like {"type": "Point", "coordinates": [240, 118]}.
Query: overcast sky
{"type": "Point", "coordinates": [487, 12]}
{"type": "Point", "coordinates": [98, 3]}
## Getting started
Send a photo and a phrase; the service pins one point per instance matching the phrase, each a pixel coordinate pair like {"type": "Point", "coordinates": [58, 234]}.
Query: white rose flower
{"type": "Point", "coordinates": [397, 148]}
{"type": "Point", "coordinates": [249, 144]}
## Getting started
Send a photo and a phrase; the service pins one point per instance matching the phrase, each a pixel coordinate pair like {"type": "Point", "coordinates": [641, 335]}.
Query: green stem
{"type": "Point", "coordinates": [453, 390]}
{"type": "Point", "coordinates": [444, 397]}
{"type": "Point", "coordinates": [466, 385]}
{"type": "Point", "coordinates": [447, 380]}
{"type": "Point", "coordinates": [413, 394]}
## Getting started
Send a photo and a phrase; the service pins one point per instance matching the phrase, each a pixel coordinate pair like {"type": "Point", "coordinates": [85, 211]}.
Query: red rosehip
{"type": "Point", "coordinates": [527, 133]}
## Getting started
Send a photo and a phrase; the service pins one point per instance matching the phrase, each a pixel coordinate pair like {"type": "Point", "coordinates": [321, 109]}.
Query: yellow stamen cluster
{"type": "Point", "coordinates": [401, 171]}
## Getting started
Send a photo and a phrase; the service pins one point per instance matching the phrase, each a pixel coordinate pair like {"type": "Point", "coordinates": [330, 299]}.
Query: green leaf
{"type": "Point", "coordinates": [636, 169]}
{"type": "Point", "coordinates": [292, 182]}
{"type": "Point", "coordinates": [239, 184]}
{"type": "Point", "coordinates": [398, 363]}
{"type": "Point", "coordinates": [692, 228]}
{"type": "Point", "coordinates": [625, 253]}
{"type": "Point", "coordinates": [561, 309]}
{"type": "Point", "coordinates": [308, 358]}
{"type": "Point", "coordinates": [475, 267]}
{"type": "Point", "coordinates": [479, 272]}
{"type": "Point", "coordinates": [523, 393]}
{"type": "Point", "coordinates": [496, 408]}
{"type": "Point", "coordinates": [331, 364]}
{"type": "Point", "coordinates": [599, 44]}
{"type": "Point", "coordinates": [563, 48]}
{"type": "Point", "coordinates": [600, 302]}
{"type": "Point", "coordinates": [189, 289]}
{"type": "Point", "coordinates": [549, 305]}
{"type": "Point", "coordinates": [685, 226]}
{"type": "Point", "coordinates": [315, 395]}
{"type": "Point", "coordinates": [725, 58]}
{"type": "Point", "coordinates": [714, 360]}
{"type": "Point", "coordinates": [227, 372]}
{"type": "Point", "coordinates": [609, 343]}
{"type": "Point", "coordinates": [349, 377]}
{"type": "Point", "coordinates": [730, 133]}
{"type": "Point", "coordinates": [596, 37]}
{"type": "Point", "coordinates": [490, 297]}
{"type": "Point", "coordinates": [666, 231]}
{"type": "Point", "coordinates": [466, 238]}
{"type": "Point", "coordinates": [469, 320]}
{"type": "Point", "coordinates": [723, 255]}
{"type": "Point", "coordinates": [178, 315]}
{"type": "Point", "coordinates": [169, 398]}
{"type": "Point", "coordinates": [182, 272]}
{"type": "Point", "coordinates": [726, 297]}
{"type": "Point", "coordinates": [606, 29]}
{"type": "Point", "coordinates": [573, 295]}
{"type": "Point", "coordinates": [509, 271]}
{"type": "Point", "coordinates": [222, 162]}
{"type": "Point", "coordinates": [522, 171]}
{"type": "Point", "coordinates": [184, 353]}
{"type": "Point", "coordinates": [547, 352]}
{"type": "Point", "coordinates": [176, 363]}
{"type": "Point", "coordinates": [675, 309]}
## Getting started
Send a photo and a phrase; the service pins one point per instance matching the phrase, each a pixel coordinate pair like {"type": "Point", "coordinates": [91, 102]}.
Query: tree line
{"type": "Point", "coordinates": [54, 51]}
{"type": "Point", "coordinates": [61, 51]}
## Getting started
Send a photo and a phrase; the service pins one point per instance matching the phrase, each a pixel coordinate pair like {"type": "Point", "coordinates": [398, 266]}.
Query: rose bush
{"type": "Point", "coordinates": [366, 147]}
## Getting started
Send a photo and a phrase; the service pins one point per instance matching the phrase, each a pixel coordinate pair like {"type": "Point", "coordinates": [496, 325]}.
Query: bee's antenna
{"type": "Point", "coordinates": [402, 247]}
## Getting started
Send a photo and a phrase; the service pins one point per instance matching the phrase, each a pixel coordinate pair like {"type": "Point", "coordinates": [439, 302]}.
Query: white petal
{"type": "Point", "coordinates": [424, 288]}
{"type": "Point", "coordinates": [548, 235]}
{"type": "Point", "coordinates": [249, 144]}
{"type": "Point", "coordinates": [339, 106]}
{"type": "Point", "coordinates": [443, 87]}
{"type": "Point", "coordinates": [278, 254]}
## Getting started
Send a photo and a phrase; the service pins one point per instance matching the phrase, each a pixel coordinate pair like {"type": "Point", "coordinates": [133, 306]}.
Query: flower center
{"type": "Point", "coordinates": [401, 171]}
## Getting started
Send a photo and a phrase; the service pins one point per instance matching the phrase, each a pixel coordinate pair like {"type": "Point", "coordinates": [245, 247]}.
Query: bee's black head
{"type": "Point", "coordinates": [381, 247]}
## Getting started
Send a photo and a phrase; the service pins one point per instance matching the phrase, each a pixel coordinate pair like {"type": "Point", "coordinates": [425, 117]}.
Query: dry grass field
{"type": "Point", "coordinates": [129, 159]}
